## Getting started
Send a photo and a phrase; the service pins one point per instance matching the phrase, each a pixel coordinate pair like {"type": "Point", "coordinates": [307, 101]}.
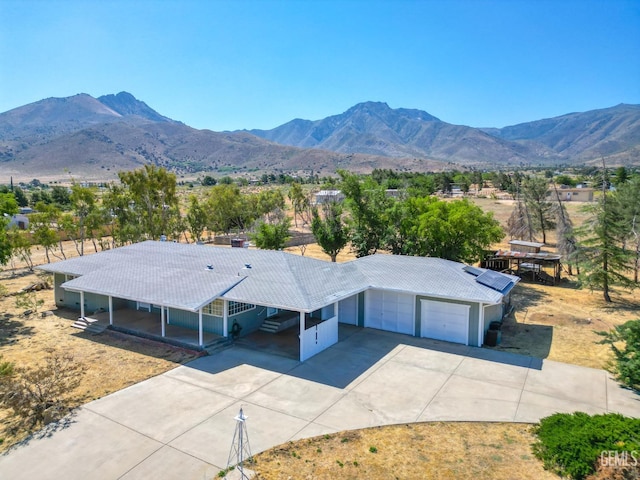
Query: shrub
{"type": "Point", "coordinates": [39, 395]}
{"type": "Point", "coordinates": [571, 444]}
{"type": "Point", "coordinates": [627, 359]}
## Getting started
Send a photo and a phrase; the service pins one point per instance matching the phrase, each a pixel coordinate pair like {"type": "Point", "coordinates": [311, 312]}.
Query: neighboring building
{"type": "Point", "coordinates": [209, 289]}
{"type": "Point", "coordinates": [572, 194]}
{"type": "Point", "coordinates": [327, 196]}
{"type": "Point", "coordinates": [18, 221]}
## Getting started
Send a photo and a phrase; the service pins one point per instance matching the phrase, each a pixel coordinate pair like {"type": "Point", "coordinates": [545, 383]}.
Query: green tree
{"type": "Point", "coordinates": [534, 191]}
{"type": "Point", "coordinates": [21, 198]}
{"type": "Point", "coordinates": [61, 197]}
{"type": "Point", "coordinates": [565, 180]}
{"type": "Point", "coordinates": [44, 232]}
{"type": "Point", "coordinates": [298, 198]}
{"type": "Point", "coordinates": [20, 247]}
{"type": "Point", "coordinates": [628, 200]}
{"type": "Point", "coordinates": [83, 202]}
{"type": "Point", "coordinates": [155, 203]}
{"type": "Point", "coordinates": [229, 209]}
{"type": "Point", "coordinates": [208, 181]}
{"type": "Point", "coordinates": [122, 217]}
{"type": "Point", "coordinates": [367, 204]}
{"type": "Point", "coordinates": [624, 341]}
{"type": "Point", "coordinates": [8, 204]}
{"type": "Point", "coordinates": [457, 230]}
{"type": "Point", "coordinates": [270, 204]}
{"type": "Point", "coordinates": [329, 231]}
{"type": "Point", "coordinates": [621, 175]}
{"type": "Point", "coordinates": [272, 236]}
{"type": "Point", "coordinates": [197, 218]}
{"type": "Point", "coordinates": [6, 248]}
{"type": "Point", "coordinates": [600, 253]}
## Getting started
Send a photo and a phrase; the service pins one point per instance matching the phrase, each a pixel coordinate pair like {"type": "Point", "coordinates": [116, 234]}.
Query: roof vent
{"type": "Point", "coordinates": [247, 266]}
{"type": "Point", "coordinates": [209, 267]}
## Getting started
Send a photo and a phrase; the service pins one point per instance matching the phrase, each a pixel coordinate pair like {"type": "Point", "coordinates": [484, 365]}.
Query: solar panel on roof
{"type": "Point", "coordinates": [494, 280]}
{"type": "Point", "coordinates": [473, 270]}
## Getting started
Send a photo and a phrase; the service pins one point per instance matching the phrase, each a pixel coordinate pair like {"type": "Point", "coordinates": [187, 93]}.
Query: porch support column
{"type": "Point", "coordinates": [81, 304]}
{"type": "Point", "coordinates": [225, 318]}
{"type": "Point", "coordinates": [162, 322]}
{"type": "Point", "coordinates": [302, 328]}
{"type": "Point", "coordinates": [481, 325]}
{"type": "Point", "coordinates": [110, 310]}
{"type": "Point", "coordinates": [200, 334]}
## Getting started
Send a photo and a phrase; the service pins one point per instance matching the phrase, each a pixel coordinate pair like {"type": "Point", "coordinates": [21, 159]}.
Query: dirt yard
{"type": "Point", "coordinates": [415, 451]}
{"type": "Point", "coordinates": [112, 361]}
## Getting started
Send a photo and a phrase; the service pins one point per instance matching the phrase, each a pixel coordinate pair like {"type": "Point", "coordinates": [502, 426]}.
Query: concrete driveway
{"type": "Point", "coordinates": [180, 425]}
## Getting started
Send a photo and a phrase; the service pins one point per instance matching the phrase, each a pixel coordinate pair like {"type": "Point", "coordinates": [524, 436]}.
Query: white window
{"type": "Point", "coordinates": [216, 308]}
{"type": "Point", "coordinates": [237, 307]}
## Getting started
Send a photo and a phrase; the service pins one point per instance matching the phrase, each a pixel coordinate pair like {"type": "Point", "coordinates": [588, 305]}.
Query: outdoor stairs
{"type": "Point", "coordinates": [89, 325]}
{"type": "Point", "coordinates": [277, 323]}
{"type": "Point", "coordinates": [270, 326]}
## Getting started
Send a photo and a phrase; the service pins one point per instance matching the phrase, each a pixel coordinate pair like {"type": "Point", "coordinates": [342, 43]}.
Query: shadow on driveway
{"type": "Point", "coordinates": [357, 351]}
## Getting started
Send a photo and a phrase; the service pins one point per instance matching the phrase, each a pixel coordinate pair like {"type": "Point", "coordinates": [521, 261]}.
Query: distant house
{"type": "Point", "coordinates": [18, 221]}
{"type": "Point", "coordinates": [328, 196]}
{"type": "Point", "coordinates": [211, 292]}
{"type": "Point", "coordinates": [572, 194]}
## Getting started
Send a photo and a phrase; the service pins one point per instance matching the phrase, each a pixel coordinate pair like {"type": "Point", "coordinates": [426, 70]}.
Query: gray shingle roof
{"type": "Point", "coordinates": [176, 275]}
{"type": "Point", "coordinates": [426, 275]}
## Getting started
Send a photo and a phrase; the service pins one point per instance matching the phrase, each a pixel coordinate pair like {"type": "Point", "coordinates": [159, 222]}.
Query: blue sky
{"type": "Point", "coordinates": [227, 65]}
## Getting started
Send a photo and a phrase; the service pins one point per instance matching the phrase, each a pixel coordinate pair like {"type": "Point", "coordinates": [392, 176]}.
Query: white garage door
{"type": "Point", "coordinates": [390, 311]}
{"type": "Point", "coordinates": [348, 310]}
{"type": "Point", "coordinates": [444, 321]}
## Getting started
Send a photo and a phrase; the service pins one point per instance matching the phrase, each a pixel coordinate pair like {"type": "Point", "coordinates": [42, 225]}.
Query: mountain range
{"type": "Point", "coordinates": [377, 129]}
{"type": "Point", "coordinates": [94, 138]}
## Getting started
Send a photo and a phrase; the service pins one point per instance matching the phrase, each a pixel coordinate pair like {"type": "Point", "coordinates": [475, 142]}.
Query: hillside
{"type": "Point", "coordinates": [375, 128]}
{"type": "Point", "coordinates": [95, 138]}
{"type": "Point", "coordinates": [610, 132]}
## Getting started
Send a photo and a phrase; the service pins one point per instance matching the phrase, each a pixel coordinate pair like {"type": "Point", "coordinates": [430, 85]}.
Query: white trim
{"type": "Point", "coordinates": [301, 336]}
{"type": "Point", "coordinates": [225, 318]}
{"type": "Point", "coordinates": [200, 333]}
{"type": "Point", "coordinates": [162, 323]}
{"type": "Point", "coordinates": [481, 325]}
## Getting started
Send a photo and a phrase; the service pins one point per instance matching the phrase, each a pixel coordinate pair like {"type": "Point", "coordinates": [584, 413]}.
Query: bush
{"type": "Point", "coordinates": [627, 359]}
{"type": "Point", "coordinates": [39, 395]}
{"type": "Point", "coordinates": [571, 444]}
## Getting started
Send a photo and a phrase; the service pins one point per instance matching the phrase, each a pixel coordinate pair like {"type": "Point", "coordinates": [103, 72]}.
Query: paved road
{"type": "Point", "coordinates": [180, 425]}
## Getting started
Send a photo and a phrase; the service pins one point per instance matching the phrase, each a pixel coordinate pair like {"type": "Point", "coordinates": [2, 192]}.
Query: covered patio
{"type": "Point", "coordinates": [149, 325]}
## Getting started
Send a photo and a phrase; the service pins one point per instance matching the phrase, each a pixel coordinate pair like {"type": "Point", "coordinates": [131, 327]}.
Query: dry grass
{"type": "Point", "coordinates": [560, 323]}
{"type": "Point", "coordinates": [415, 451]}
{"type": "Point", "coordinates": [112, 360]}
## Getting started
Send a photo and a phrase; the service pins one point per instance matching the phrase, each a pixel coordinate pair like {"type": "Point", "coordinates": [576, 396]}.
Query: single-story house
{"type": "Point", "coordinates": [221, 291]}
{"type": "Point", "coordinates": [572, 194]}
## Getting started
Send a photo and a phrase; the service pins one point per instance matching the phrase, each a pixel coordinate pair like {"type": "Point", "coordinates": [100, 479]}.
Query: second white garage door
{"type": "Point", "coordinates": [390, 311]}
{"type": "Point", "coordinates": [444, 321]}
